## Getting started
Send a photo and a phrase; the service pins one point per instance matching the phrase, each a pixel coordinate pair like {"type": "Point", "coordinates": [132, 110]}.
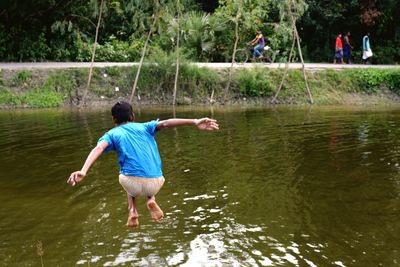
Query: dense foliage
{"type": "Point", "coordinates": [64, 30]}
{"type": "Point", "coordinates": [323, 20]}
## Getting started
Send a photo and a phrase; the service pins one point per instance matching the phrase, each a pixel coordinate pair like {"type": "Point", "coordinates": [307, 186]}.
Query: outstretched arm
{"type": "Point", "coordinates": [78, 176]}
{"type": "Point", "coordinates": [205, 124]}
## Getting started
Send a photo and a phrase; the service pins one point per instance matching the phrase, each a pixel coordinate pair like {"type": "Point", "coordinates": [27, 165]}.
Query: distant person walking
{"type": "Point", "coordinates": [367, 52]}
{"type": "Point", "coordinates": [347, 47]}
{"type": "Point", "coordinates": [338, 50]}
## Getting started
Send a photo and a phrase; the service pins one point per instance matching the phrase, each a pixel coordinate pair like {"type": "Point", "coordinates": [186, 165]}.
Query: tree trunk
{"type": "Point", "coordinates": [93, 56]}
{"type": "Point", "coordinates": [142, 58]}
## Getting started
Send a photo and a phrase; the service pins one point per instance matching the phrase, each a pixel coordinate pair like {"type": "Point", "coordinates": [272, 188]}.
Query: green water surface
{"type": "Point", "coordinates": [273, 187]}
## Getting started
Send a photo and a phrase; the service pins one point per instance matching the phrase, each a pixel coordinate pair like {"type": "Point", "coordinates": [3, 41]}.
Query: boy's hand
{"type": "Point", "coordinates": [207, 124]}
{"type": "Point", "coordinates": [76, 177]}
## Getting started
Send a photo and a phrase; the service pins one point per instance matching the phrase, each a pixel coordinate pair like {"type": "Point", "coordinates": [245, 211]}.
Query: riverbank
{"type": "Point", "coordinates": [199, 85]}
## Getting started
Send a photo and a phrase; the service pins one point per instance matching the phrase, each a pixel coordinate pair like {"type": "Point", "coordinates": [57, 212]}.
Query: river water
{"type": "Point", "coordinates": [273, 187]}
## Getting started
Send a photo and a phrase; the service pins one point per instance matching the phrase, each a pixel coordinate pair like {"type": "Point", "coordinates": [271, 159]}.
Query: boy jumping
{"type": "Point", "coordinates": [138, 156]}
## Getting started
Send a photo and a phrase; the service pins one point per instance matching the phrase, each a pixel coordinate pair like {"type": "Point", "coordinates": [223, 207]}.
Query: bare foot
{"type": "Point", "coordinates": [156, 213]}
{"type": "Point", "coordinates": [133, 220]}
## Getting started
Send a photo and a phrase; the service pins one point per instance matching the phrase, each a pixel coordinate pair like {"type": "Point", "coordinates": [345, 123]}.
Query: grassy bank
{"type": "Point", "coordinates": [53, 88]}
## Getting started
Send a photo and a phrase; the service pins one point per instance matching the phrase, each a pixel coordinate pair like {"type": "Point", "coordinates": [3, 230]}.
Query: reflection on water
{"type": "Point", "coordinates": [273, 187]}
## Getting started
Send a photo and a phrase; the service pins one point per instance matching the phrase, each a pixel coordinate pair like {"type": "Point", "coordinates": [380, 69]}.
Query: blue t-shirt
{"type": "Point", "coordinates": [136, 148]}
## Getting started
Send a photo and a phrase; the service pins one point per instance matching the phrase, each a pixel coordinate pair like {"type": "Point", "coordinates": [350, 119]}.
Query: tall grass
{"type": "Point", "coordinates": [40, 251]}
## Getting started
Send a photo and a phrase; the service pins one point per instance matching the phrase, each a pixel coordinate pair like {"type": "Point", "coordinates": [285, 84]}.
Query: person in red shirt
{"type": "Point", "coordinates": [338, 49]}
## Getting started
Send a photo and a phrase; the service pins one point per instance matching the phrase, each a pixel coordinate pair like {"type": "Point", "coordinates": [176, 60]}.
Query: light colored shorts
{"type": "Point", "coordinates": [367, 54]}
{"type": "Point", "coordinates": [140, 186]}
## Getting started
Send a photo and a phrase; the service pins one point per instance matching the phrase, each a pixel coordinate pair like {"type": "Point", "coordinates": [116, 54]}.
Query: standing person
{"type": "Point", "coordinates": [367, 52]}
{"type": "Point", "coordinates": [338, 49]}
{"type": "Point", "coordinates": [347, 48]}
{"type": "Point", "coordinates": [259, 40]}
{"type": "Point", "coordinates": [138, 156]}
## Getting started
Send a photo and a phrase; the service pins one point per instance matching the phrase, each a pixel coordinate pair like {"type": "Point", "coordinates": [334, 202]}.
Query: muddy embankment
{"type": "Point", "coordinates": [39, 88]}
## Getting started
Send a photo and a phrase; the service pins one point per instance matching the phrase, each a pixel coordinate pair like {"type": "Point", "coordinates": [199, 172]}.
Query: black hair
{"type": "Point", "coordinates": [122, 112]}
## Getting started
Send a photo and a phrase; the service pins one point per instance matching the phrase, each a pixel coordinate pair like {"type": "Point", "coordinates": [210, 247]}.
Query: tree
{"type": "Point", "coordinates": [48, 30]}
{"type": "Point", "coordinates": [254, 16]}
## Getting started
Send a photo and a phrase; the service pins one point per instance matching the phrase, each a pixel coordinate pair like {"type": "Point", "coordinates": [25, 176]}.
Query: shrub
{"type": "Point", "coordinates": [40, 98]}
{"type": "Point", "coordinates": [21, 77]}
{"type": "Point", "coordinates": [254, 82]}
{"type": "Point", "coordinates": [370, 80]}
{"type": "Point", "coordinates": [386, 54]}
{"type": "Point", "coordinates": [60, 83]}
{"type": "Point", "coordinates": [112, 50]}
{"type": "Point", "coordinates": [392, 80]}
{"type": "Point", "coordinates": [7, 98]}
{"type": "Point", "coordinates": [199, 81]}
{"type": "Point", "coordinates": [33, 49]}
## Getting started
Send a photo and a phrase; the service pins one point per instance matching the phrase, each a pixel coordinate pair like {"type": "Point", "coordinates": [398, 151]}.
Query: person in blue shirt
{"type": "Point", "coordinates": [138, 156]}
{"type": "Point", "coordinates": [367, 52]}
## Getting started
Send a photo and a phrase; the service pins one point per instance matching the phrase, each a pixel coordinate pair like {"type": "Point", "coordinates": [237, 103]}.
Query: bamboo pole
{"type": "Point", "coordinates": [142, 59]}
{"type": "Point", "coordinates": [228, 84]}
{"type": "Point", "coordinates": [286, 71]}
{"type": "Point", "coordinates": [177, 57]}
{"type": "Point", "coordinates": [296, 39]}
{"type": "Point", "coordinates": [212, 97]}
{"type": "Point", "coordinates": [303, 66]}
{"type": "Point", "coordinates": [93, 57]}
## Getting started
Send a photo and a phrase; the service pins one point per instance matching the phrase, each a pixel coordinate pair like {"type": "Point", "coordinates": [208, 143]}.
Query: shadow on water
{"type": "Point", "coordinates": [278, 186]}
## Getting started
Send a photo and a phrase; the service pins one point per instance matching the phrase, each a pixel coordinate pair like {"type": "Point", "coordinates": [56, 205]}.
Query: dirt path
{"type": "Point", "coordinates": [66, 65]}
